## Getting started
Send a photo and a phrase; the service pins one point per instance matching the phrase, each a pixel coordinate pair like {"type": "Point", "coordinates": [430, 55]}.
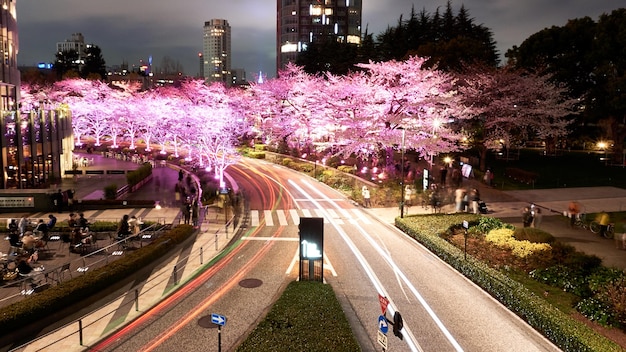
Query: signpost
{"type": "Point", "coordinates": [384, 302]}
{"type": "Point", "coordinates": [311, 248]}
{"type": "Point", "coordinates": [220, 321]}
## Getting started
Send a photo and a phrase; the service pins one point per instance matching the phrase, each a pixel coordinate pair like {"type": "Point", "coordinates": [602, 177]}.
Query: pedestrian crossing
{"type": "Point", "coordinates": [281, 217]}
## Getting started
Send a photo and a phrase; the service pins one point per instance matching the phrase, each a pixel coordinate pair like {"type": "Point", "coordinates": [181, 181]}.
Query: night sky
{"type": "Point", "coordinates": [131, 30]}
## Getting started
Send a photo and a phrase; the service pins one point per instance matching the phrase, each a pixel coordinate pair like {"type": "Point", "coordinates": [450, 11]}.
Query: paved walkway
{"type": "Point", "coordinates": [508, 205]}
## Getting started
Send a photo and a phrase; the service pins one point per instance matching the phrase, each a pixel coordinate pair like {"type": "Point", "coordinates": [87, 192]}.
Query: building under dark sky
{"type": "Point", "coordinates": [300, 22]}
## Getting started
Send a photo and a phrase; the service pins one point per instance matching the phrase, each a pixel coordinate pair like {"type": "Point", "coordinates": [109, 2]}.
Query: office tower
{"type": "Point", "coordinates": [217, 53]}
{"type": "Point", "coordinates": [75, 43]}
{"type": "Point", "coordinates": [300, 22]}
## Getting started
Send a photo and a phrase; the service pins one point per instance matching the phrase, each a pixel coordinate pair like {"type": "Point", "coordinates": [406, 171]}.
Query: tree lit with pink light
{"type": "Point", "coordinates": [381, 107]}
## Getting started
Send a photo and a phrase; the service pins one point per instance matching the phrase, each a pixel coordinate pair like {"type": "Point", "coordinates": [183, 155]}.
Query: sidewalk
{"type": "Point", "coordinates": [508, 205]}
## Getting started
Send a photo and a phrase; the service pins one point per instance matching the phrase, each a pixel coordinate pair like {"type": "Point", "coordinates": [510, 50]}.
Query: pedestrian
{"type": "Point", "coordinates": [527, 217]}
{"type": "Point", "coordinates": [458, 199]}
{"type": "Point", "coordinates": [366, 197]}
{"type": "Point", "coordinates": [57, 199]}
{"type": "Point", "coordinates": [603, 219]}
{"type": "Point", "coordinates": [537, 217]}
{"type": "Point", "coordinates": [194, 212]}
{"type": "Point", "coordinates": [488, 178]}
{"type": "Point", "coordinates": [70, 199]}
{"type": "Point", "coordinates": [22, 225]}
{"type": "Point", "coordinates": [573, 210]}
{"type": "Point", "coordinates": [475, 198]}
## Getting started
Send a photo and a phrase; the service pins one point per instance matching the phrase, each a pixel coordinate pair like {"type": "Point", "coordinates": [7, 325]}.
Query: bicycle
{"type": "Point", "coordinates": [580, 221]}
{"type": "Point", "coordinates": [594, 226]}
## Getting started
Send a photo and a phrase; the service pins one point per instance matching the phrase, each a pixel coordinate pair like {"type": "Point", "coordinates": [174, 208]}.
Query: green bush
{"type": "Point", "coordinates": [290, 326]}
{"type": "Point", "coordinates": [136, 176]}
{"type": "Point", "coordinates": [533, 235]}
{"type": "Point", "coordinates": [110, 191]}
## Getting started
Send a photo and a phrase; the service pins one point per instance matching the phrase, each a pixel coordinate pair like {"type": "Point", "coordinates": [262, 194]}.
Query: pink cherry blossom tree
{"type": "Point", "coordinates": [516, 106]}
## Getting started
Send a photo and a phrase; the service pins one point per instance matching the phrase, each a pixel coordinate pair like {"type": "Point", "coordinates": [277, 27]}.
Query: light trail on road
{"type": "Point", "coordinates": [411, 341]}
{"type": "Point", "coordinates": [385, 254]}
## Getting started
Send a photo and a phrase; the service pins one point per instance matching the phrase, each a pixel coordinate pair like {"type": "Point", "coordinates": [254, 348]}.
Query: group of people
{"type": "Point", "coordinates": [467, 200]}
{"type": "Point", "coordinates": [28, 240]}
{"type": "Point", "coordinates": [79, 234]}
{"type": "Point", "coordinates": [531, 216]}
{"type": "Point", "coordinates": [128, 226]}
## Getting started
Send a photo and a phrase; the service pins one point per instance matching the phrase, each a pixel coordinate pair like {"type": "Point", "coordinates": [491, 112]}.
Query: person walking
{"type": "Point", "coordinates": [573, 210]}
{"type": "Point", "coordinates": [475, 198]}
{"type": "Point", "coordinates": [366, 197]}
{"type": "Point", "coordinates": [537, 217]}
{"type": "Point", "coordinates": [459, 194]}
{"type": "Point", "coordinates": [527, 217]}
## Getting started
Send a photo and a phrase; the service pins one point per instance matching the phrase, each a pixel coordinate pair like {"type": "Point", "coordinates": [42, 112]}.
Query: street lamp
{"type": "Point", "coordinates": [402, 175]}
{"type": "Point", "coordinates": [603, 146]}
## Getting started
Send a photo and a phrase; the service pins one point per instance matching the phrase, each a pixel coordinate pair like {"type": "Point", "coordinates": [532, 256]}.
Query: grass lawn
{"type": "Point", "coordinates": [568, 169]}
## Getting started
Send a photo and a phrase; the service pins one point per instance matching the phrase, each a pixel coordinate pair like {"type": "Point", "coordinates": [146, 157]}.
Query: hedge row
{"type": "Point", "coordinates": [567, 333]}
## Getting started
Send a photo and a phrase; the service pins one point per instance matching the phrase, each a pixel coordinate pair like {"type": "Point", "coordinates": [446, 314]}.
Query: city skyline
{"type": "Point", "coordinates": [130, 31]}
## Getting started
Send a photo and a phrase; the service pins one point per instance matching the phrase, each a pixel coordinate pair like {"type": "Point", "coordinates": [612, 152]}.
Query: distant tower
{"type": "Point", "coordinates": [300, 22]}
{"type": "Point", "coordinates": [216, 51]}
{"type": "Point", "coordinates": [201, 61]}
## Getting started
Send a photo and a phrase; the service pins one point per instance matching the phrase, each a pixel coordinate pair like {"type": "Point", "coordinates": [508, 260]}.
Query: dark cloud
{"type": "Point", "coordinates": [130, 30]}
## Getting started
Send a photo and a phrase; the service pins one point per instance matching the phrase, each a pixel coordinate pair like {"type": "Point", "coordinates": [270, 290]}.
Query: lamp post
{"type": "Point", "coordinates": [402, 176]}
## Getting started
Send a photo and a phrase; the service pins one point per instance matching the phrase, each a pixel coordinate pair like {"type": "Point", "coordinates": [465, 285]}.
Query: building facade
{"type": "Point", "coordinates": [76, 43]}
{"type": "Point", "coordinates": [36, 139]}
{"type": "Point", "coordinates": [300, 22]}
{"type": "Point", "coordinates": [217, 51]}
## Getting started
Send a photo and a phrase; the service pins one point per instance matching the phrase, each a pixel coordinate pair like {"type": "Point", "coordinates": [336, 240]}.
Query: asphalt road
{"type": "Point", "coordinates": [364, 258]}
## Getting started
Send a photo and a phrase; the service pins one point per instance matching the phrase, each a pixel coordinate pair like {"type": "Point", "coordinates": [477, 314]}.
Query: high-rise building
{"type": "Point", "coordinates": [300, 22]}
{"type": "Point", "coordinates": [75, 43]}
{"type": "Point", "coordinates": [216, 51]}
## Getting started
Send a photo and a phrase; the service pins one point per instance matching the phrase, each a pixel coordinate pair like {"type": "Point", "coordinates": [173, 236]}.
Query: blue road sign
{"type": "Point", "coordinates": [382, 324]}
{"type": "Point", "coordinates": [218, 319]}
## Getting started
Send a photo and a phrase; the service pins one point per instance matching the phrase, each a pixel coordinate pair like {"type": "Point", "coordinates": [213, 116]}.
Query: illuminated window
{"type": "Point", "coordinates": [315, 10]}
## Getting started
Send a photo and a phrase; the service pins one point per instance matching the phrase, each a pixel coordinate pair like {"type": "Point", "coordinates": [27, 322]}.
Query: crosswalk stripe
{"type": "Point", "coordinates": [294, 216]}
{"type": "Point", "coordinates": [282, 218]}
{"type": "Point", "coordinates": [254, 218]}
{"type": "Point", "coordinates": [269, 221]}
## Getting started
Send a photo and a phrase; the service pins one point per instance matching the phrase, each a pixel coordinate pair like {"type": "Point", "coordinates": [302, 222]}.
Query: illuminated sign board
{"type": "Point", "coordinates": [312, 249]}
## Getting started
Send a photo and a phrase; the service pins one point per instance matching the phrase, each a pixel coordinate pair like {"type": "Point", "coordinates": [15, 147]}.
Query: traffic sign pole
{"type": "Point", "coordinates": [219, 338]}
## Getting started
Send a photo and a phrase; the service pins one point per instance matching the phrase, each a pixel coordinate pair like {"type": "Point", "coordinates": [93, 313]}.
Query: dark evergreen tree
{"type": "Point", "coordinates": [94, 65]}
{"type": "Point", "coordinates": [66, 62]}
